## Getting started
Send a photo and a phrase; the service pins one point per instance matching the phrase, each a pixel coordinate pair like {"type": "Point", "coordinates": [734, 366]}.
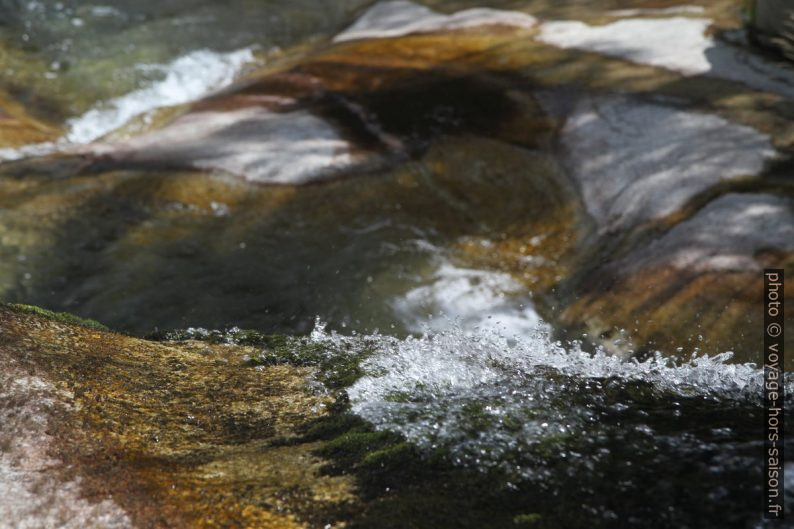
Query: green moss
{"type": "Point", "coordinates": [477, 418]}
{"type": "Point", "coordinates": [526, 520]}
{"type": "Point", "coordinates": [512, 424]}
{"type": "Point", "coordinates": [63, 317]}
{"type": "Point", "coordinates": [398, 396]}
{"type": "Point", "coordinates": [339, 363]}
{"type": "Point", "coordinates": [335, 425]}
{"type": "Point", "coordinates": [351, 448]}
{"type": "Point", "coordinates": [233, 336]}
{"type": "Point", "coordinates": [392, 457]}
{"type": "Point", "coordinates": [551, 445]}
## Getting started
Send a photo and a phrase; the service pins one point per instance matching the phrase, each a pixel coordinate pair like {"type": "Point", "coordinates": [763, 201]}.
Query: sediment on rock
{"type": "Point", "coordinates": [147, 434]}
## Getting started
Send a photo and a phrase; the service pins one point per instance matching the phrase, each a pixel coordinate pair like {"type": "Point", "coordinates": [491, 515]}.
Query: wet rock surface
{"type": "Point", "coordinates": [382, 106]}
{"type": "Point", "coordinates": [427, 136]}
{"type": "Point", "coordinates": [112, 431]}
{"type": "Point", "coordinates": [700, 278]}
{"type": "Point", "coordinates": [230, 429]}
{"type": "Point", "coordinates": [542, 174]}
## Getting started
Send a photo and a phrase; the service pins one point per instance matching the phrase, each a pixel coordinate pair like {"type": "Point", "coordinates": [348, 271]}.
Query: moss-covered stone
{"type": "Point", "coordinates": [401, 485]}
{"type": "Point", "coordinates": [63, 317]}
{"type": "Point", "coordinates": [189, 434]}
{"type": "Point", "coordinates": [526, 520]}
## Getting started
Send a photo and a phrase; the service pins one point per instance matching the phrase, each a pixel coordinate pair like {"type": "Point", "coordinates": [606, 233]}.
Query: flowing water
{"type": "Point", "coordinates": [464, 363]}
{"type": "Point", "coordinates": [70, 56]}
{"type": "Point", "coordinates": [601, 442]}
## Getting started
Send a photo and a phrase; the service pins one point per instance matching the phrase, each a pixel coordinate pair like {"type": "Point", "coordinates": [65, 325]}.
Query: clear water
{"type": "Point", "coordinates": [466, 366]}
{"type": "Point", "coordinates": [66, 56]}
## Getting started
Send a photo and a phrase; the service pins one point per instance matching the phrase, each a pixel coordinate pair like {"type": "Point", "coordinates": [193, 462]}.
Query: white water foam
{"type": "Point", "coordinates": [401, 17]}
{"type": "Point", "coordinates": [457, 361]}
{"type": "Point", "coordinates": [486, 349]}
{"type": "Point", "coordinates": [486, 395]}
{"type": "Point", "coordinates": [675, 43]}
{"type": "Point", "coordinates": [467, 298]}
{"type": "Point", "coordinates": [185, 79]}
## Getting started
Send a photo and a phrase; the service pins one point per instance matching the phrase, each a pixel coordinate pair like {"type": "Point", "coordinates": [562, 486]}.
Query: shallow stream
{"type": "Point", "coordinates": [408, 260]}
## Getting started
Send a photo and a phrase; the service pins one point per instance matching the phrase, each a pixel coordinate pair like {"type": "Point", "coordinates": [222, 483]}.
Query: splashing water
{"type": "Point", "coordinates": [467, 298]}
{"type": "Point", "coordinates": [186, 79]}
{"type": "Point", "coordinates": [566, 420]}
{"type": "Point", "coordinates": [422, 387]}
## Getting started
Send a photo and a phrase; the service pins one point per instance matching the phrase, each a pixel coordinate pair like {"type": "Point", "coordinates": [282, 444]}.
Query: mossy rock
{"type": "Point", "coordinates": [181, 434]}
{"type": "Point", "coordinates": [190, 433]}
{"type": "Point", "coordinates": [63, 317]}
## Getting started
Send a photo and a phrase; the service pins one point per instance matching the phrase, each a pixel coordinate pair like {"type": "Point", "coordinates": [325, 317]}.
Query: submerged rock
{"type": "Point", "coordinates": [352, 107]}
{"type": "Point", "coordinates": [413, 139]}
{"type": "Point", "coordinates": [17, 128]}
{"type": "Point", "coordinates": [695, 288]}
{"type": "Point", "coordinates": [435, 143]}
{"type": "Point", "coordinates": [132, 248]}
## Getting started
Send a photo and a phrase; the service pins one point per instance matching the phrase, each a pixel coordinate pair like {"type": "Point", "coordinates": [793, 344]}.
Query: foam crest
{"type": "Point", "coordinates": [467, 298]}
{"type": "Point", "coordinates": [491, 399]}
{"type": "Point", "coordinates": [185, 79]}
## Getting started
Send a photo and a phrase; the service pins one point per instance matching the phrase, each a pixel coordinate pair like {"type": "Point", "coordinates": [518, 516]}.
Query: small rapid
{"type": "Point", "coordinates": [185, 79]}
{"type": "Point", "coordinates": [565, 421]}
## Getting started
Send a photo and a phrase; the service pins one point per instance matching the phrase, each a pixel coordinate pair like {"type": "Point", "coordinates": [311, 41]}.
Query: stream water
{"type": "Point", "coordinates": [604, 442]}
{"type": "Point", "coordinates": [464, 362]}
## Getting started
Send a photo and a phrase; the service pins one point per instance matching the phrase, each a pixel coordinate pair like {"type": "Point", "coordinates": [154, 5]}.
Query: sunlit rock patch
{"type": "Point", "coordinates": [31, 495]}
{"type": "Point", "coordinates": [397, 18]}
{"type": "Point", "coordinates": [694, 288]}
{"type": "Point", "coordinates": [677, 43]}
{"type": "Point", "coordinates": [288, 148]}
{"type": "Point", "coordinates": [637, 161]}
